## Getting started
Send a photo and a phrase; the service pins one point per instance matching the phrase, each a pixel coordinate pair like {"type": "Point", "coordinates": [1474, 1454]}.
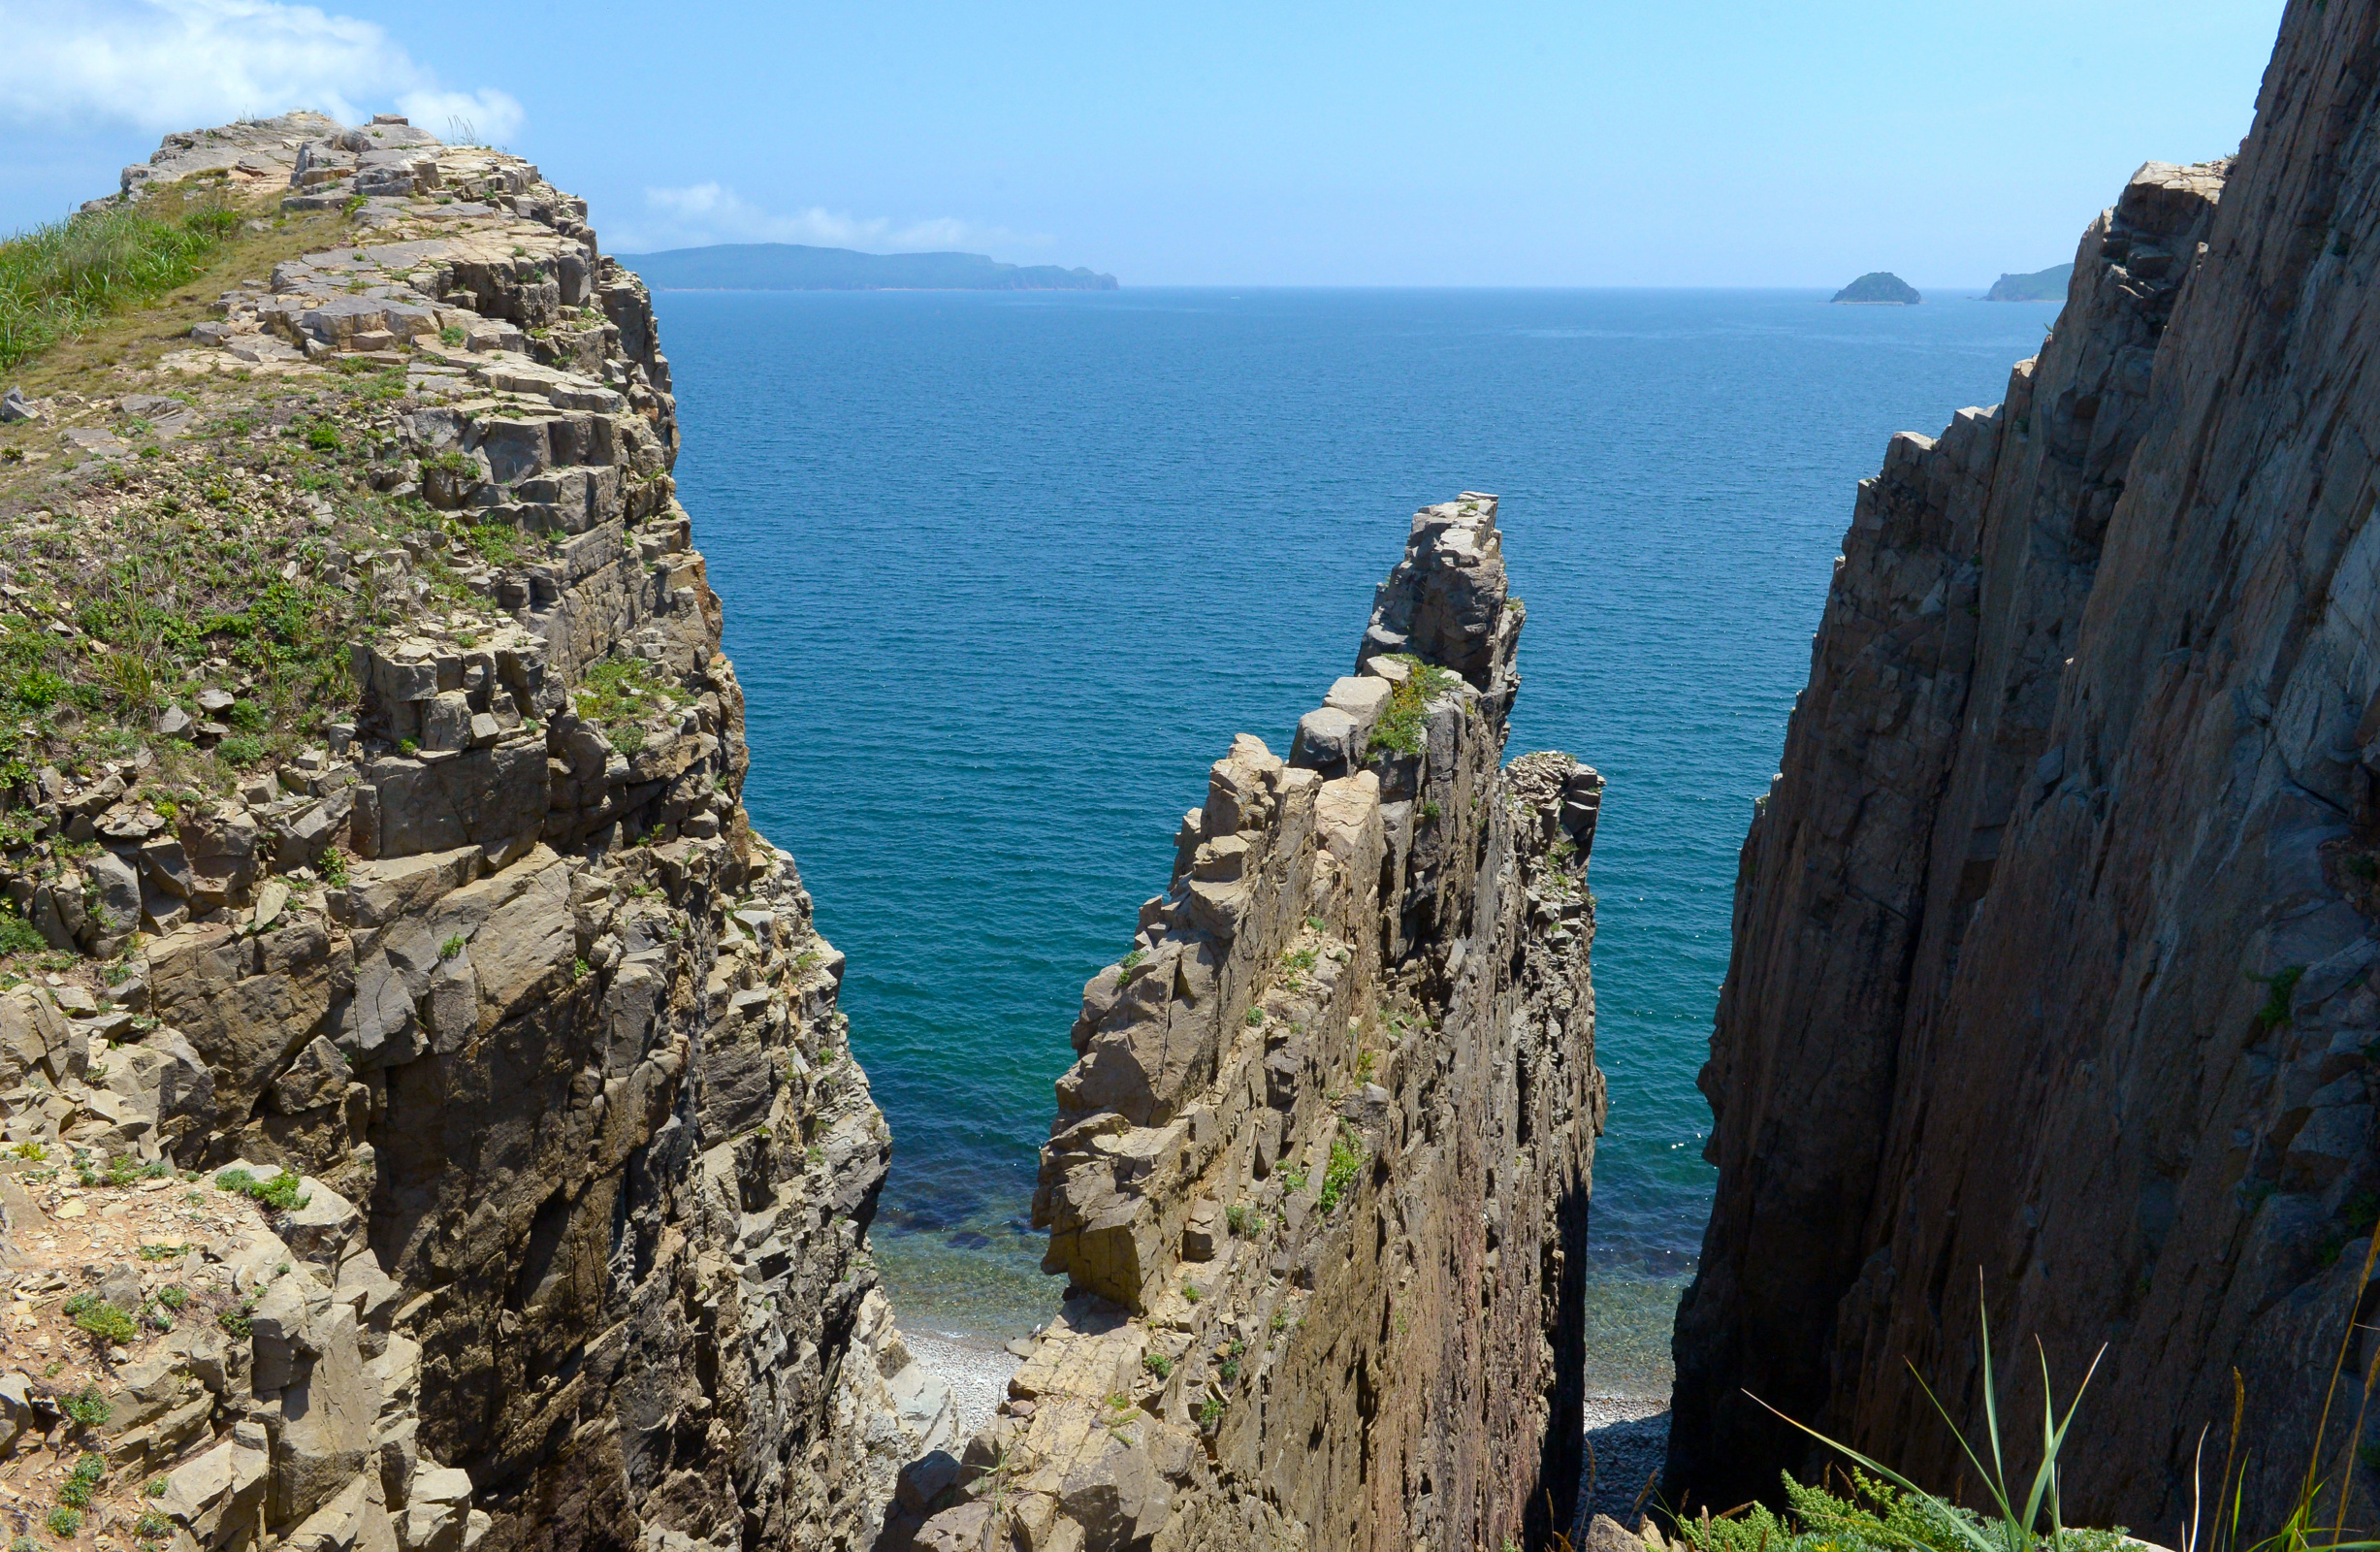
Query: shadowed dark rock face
{"type": "Point", "coordinates": [2051, 935]}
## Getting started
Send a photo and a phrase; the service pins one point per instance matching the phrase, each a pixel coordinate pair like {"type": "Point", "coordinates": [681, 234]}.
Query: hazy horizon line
{"type": "Point", "coordinates": [1944, 290]}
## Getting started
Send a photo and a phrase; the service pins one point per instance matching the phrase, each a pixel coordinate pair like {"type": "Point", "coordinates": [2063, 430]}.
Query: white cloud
{"type": "Point", "coordinates": [712, 212]}
{"type": "Point", "coordinates": [182, 64]}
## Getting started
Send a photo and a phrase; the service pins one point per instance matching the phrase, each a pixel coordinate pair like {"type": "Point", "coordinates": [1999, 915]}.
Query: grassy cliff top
{"type": "Point", "coordinates": [240, 443]}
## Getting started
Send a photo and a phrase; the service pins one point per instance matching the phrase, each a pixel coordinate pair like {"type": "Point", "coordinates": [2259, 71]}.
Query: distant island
{"type": "Point", "coordinates": [2041, 285]}
{"type": "Point", "coordinates": [794, 267]}
{"type": "Point", "coordinates": [1880, 287]}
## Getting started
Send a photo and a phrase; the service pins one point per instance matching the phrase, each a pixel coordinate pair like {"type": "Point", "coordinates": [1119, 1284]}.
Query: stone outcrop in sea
{"type": "Point", "coordinates": [373, 782]}
{"type": "Point", "coordinates": [1319, 1181]}
{"type": "Point", "coordinates": [2053, 934]}
{"type": "Point", "coordinates": [1880, 288]}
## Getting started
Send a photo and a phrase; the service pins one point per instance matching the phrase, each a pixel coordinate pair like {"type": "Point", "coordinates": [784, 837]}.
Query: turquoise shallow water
{"type": "Point", "coordinates": [1004, 573]}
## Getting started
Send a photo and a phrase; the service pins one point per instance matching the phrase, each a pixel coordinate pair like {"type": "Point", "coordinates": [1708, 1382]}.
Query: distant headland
{"type": "Point", "coordinates": [795, 267]}
{"type": "Point", "coordinates": [2041, 285]}
{"type": "Point", "coordinates": [1880, 287]}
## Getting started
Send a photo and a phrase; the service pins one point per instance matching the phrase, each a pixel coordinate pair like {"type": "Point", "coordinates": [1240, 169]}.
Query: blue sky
{"type": "Point", "coordinates": [1724, 142]}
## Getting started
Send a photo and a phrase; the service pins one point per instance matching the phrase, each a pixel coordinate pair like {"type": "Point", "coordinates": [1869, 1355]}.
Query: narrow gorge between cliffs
{"type": "Point", "coordinates": [434, 1117]}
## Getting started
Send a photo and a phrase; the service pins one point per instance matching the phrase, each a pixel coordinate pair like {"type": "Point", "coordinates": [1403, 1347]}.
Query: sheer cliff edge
{"type": "Point", "coordinates": [2052, 935]}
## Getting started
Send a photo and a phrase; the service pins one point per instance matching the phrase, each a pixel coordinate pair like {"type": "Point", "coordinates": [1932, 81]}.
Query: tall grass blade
{"type": "Point", "coordinates": [58, 279]}
{"type": "Point", "coordinates": [1973, 1535]}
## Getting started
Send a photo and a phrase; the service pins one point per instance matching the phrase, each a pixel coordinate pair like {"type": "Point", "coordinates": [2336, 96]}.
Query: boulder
{"type": "Point", "coordinates": [1329, 740]}
{"type": "Point", "coordinates": [216, 1496]}
{"type": "Point", "coordinates": [1117, 1498]}
{"type": "Point", "coordinates": [437, 1505]}
{"type": "Point", "coordinates": [405, 807]}
{"type": "Point", "coordinates": [16, 1411]}
{"type": "Point", "coordinates": [319, 1076]}
{"type": "Point", "coordinates": [356, 1519]}
{"type": "Point", "coordinates": [446, 721]}
{"type": "Point", "coordinates": [246, 1005]}
{"type": "Point", "coordinates": [1607, 1535]}
{"type": "Point", "coordinates": [327, 1415]}
{"type": "Point", "coordinates": [119, 886]}
{"type": "Point", "coordinates": [324, 1228]}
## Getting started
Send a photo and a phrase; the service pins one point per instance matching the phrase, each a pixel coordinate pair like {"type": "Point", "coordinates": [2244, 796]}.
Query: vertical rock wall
{"type": "Point", "coordinates": [1319, 1181]}
{"type": "Point", "coordinates": [2050, 936]}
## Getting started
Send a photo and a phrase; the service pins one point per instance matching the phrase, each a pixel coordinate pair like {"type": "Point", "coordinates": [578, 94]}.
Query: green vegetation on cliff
{"type": "Point", "coordinates": [57, 279]}
{"type": "Point", "coordinates": [126, 611]}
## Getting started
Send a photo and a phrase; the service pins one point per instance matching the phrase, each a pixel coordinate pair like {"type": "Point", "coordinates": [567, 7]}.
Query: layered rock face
{"type": "Point", "coordinates": [1319, 1181]}
{"type": "Point", "coordinates": [497, 965]}
{"type": "Point", "coordinates": [2051, 937]}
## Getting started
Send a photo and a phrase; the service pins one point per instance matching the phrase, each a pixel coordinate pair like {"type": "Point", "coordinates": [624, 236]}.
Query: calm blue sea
{"type": "Point", "coordinates": [1005, 573]}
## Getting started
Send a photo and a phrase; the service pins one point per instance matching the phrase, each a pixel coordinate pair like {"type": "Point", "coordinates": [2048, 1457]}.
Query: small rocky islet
{"type": "Point", "coordinates": [1878, 288]}
{"type": "Point", "coordinates": [430, 1126]}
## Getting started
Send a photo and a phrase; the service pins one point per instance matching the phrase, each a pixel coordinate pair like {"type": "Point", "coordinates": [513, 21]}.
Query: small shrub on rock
{"type": "Point", "coordinates": [81, 1482]}
{"type": "Point", "coordinates": [86, 1406]}
{"type": "Point", "coordinates": [279, 1193]}
{"type": "Point", "coordinates": [102, 1319]}
{"type": "Point", "coordinates": [1338, 1177]}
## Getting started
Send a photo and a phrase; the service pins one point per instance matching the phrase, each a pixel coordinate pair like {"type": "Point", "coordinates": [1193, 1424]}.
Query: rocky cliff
{"type": "Point", "coordinates": [1319, 1182]}
{"type": "Point", "coordinates": [370, 822]}
{"type": "Point", "coordinates": [2051, 937]}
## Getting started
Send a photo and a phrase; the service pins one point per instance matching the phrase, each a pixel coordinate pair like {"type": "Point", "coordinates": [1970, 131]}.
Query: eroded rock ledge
{"type": "Point", "coordinates": [1319, 1181]}
{"type": "Point", "coordinates": [496, 963]}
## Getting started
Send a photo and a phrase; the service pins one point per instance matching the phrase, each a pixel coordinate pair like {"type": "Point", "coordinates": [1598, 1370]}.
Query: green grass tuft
{"type": "Point", "coordinates": [1338, 1177]}
{"type": "Point", "coordinates": [77, 1491]}
{"type": "Point", "coordinates": [102, 1319]}
{"type": "Point", "coordinates": [86, 1406]}
{"type": "Point", "coordinates": [1404, 719]}
{"type": "Point", "coordinates": [2278, 990]}
{"type": "Point", "coordinates": [281, 1193]}
{"type": "Point", "coordinates": [58, 279]}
